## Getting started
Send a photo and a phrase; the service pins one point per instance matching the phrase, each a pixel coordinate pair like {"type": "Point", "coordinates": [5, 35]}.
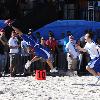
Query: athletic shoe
{"type": "Point", "coordinates": [27, 65]}
{"type": "Point", "coordinates": [98, 79]}
{"type": "Point", "coordinates": [53, 70]}
{"type": "Point", "coordinates": [74, 73]}
{"type": "Point", "coordinates": [69, 73]}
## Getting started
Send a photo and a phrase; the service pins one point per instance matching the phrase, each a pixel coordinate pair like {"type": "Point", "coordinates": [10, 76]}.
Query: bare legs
{"type": "Point", "coordinates": [35, 59]}
{"type": "Point", "coordinates": [48, 61]}
{"type": "Point", "coordinates": [92, 71]}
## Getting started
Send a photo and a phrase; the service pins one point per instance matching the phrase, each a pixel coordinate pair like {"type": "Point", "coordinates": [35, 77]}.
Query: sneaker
{"type": "Point", "coordinates": [27, 65]}
{"type": "Point", "coordinates": [74, 73]}
{"type": "Point", "coordinates": [98, 79]}
{"type": "Point", "coordinates": [69, 73]}
{"type": "Point", "coordinates": [53, 70]}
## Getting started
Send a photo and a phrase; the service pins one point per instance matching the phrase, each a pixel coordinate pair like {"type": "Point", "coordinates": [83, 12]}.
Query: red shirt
{"type": "Point", "coordinates": [52, 44]}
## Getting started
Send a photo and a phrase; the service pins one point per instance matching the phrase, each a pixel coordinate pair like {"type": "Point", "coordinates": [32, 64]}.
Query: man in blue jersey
{"type": "Point", "coordinates": [40, 51]}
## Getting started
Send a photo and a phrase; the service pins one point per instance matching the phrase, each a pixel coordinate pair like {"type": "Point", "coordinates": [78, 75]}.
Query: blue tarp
{"type": "Point", "coordinates": [2, 24]}
{"type": "Point", "coordinates": [77, 27]}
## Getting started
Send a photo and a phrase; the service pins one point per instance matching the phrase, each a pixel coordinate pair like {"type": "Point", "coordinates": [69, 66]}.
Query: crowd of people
{"type": "Point", "coordinates": [18, 55]}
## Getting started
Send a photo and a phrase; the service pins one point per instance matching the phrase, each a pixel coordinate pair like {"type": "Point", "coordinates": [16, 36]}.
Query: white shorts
{"type": "Point", "coordinates": [93, 62]}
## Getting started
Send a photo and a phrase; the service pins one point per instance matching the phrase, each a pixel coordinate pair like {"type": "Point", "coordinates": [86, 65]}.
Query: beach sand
{"type": "Point", "coordinates": [53, 88]}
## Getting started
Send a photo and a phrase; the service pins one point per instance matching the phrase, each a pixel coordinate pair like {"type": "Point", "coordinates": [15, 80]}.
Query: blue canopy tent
{"type": "Point", "coordinates": [77, 27]}
{"type": "Point", "coordinates": [2, 24]}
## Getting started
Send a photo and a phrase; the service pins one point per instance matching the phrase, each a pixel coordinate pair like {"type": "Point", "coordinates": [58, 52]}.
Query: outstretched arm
{"type": "Point", "coordinates": [17, 30]}
{"type": "Point", "coordinates": [81, 49]}
{"type": "Point", "coordinates": [9, 23]}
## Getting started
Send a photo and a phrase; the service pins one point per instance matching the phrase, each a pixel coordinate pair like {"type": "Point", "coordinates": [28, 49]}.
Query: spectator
{"type": "Point", "coordinates": [72, 56]}
{"type": "Point", "coordinates": [52, 44]}
{"type": "Point", "coordinates": [43, 42]}
{"type": "Point", "coordinates": [14, 50]}
{"type": "Point", "coordinates": [62, 42]}
{"type": "Point", "coordinates": [84, 58]}
{"type": "Point", "coordinates": [3, 51]}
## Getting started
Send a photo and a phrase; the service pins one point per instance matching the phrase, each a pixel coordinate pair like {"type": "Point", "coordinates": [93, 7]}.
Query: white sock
{"type": "Point", "coordinates": [97, 76]}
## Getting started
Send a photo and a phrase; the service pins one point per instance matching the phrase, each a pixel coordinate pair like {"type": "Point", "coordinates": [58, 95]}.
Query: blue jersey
{"type": "Point", "coordinates": [40, 50]}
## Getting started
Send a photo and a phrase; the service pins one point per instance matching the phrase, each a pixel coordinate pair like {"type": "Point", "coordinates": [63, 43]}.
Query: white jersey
{"type": "Point", "coordinates": [92, 50]}
{"type": "Point", "coordinates": [72, 50]}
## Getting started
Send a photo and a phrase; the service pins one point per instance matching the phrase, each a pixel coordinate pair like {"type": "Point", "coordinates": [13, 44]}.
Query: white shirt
{"type": "Point", "coordinates": [71, 49]}
{"type": "Point", "coordinates": [24, 46]}
{"type": "Point", "coordinates": [13, 42]}
{"type": "Point", "coordinates": [92, 49]}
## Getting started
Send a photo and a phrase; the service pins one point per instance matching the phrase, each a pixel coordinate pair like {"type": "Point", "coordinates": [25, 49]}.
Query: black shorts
{"type": "Point", "coordinates": [13, 59]}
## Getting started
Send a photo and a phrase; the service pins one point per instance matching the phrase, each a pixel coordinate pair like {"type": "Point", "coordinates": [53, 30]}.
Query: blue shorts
{"type": "Point", "coordinates": [95, 64]}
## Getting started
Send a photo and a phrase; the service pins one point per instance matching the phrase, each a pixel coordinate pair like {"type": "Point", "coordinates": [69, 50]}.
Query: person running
{"type": "Point", "coordinates": [92, 49]}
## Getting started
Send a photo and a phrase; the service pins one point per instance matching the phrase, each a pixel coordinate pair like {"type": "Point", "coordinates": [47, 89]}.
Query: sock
{"type": "Point", "coordinates": [97, 76]}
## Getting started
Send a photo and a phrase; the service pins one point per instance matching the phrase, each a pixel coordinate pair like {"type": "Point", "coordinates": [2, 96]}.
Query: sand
{"type": "Point", "coordinates": [53, 88]}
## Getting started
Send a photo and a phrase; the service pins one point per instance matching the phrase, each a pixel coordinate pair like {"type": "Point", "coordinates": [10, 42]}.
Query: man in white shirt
{"type": "Point", "coordinates": [72, 56]}
{"type": "Point", "coordinates": [92, 49]}
{"type": "Point", "coordinates": [14, 50]}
